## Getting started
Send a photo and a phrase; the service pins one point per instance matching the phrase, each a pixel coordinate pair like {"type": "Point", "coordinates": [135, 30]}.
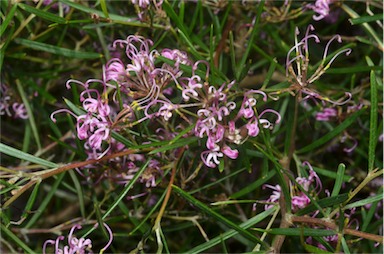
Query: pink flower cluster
{"type": "Point", "coordinates": [76, 245]}
{"type": "Point", "coordinates": [321, 7]}
{"type": "Point", "coordinates": [299, 199]}
{"type": "Point", "coordinates": [95, 125]}
{"type": "Point", "coordinates": [215, 122]}
{"type": "Point", "coordinates": [9, 108]}
{"type": "Point", "coordinates": [158, 91]}
{"type": "Point", "coordinates": [144, 5]}
{"type": "Point", "coordinates": [297, 67]}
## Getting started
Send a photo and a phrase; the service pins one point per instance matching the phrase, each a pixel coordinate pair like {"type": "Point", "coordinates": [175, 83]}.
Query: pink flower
{"type": "Point", "coordinates": [19, 110]}
{"type": "Point", "coordinates": [253, 127]}
{"type": "Point", "coordinates": [211, 157]}
{"type": "Point", "coordinates": [76, 245]}
{"type": "Point", "coordinates": [326, 114]}
{"type": "Point", "coordinates": [274, 198]}
{"type": "Point", "coordinates": [231, 153]}
{"type": "Point", "coordinates": [321, 7]}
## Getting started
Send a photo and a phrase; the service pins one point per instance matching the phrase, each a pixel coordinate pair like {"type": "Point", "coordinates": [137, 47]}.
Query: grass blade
{"type": "Point", "coordinates": [332, 174]}
{"type": "Point", "coordinates": [231, 233]}
{"type": "Point", "coordinates": [79, 192]}
{"type": "Point", "coordinates": [373, 123]}
{"type": "Point", "coordinates": [218, 216]}
{"type": "Point", "coordinates": [241, 71]}
{"type": "Point", "coordinates": [325, 202]}
{"type": "Point", "coordinates": [104, 8]}
{"type": "Point", "coordinates": [339, 180]}
{"type": "Point", "coordinates": [31, 117]}
{"type": "Point", "coordinates": [299, 231]}
{"type": "Point", "coordinates": [366, 26]}
{"type": "Point", "coordinates": [123, 194]}
{"type": "Point", "coordinates": [26, 156]}
{"type": "Point", "coordinates": [365, 201]}
{"type": "Point", "coordinates": [6, 232]}
{"type": "Point", "coordinates": [336, 131]}
{"type": "Point", "coordinates": [46, 201]}
{"type": "Point", "coordinates": [57, 50]}
{"type": "Point", "coordinates": [43, 14]}
{"type": "Point", "coordinates": [173, 145]}
{"type": "Point", "coordinates": [7, 19]}
{"type": "Point", "coordinates": [366, 19]}
{"type": "Point", "coordinates": [251, 187]}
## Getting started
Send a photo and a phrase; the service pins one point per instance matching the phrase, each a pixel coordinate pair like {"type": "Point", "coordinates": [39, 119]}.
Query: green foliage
{"type": "Point", "coordinates": [193, 208]}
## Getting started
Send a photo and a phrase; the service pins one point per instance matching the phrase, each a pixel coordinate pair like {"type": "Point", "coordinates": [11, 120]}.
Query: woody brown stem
{"type": "Point", "coordinates": [38, 177]}
{"type": "Point", "coordinates": [285, 163]}
{"type": "Point", "coordinates": [333, 226]}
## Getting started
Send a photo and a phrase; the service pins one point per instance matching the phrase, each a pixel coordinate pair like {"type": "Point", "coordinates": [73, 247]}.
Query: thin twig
{"type": "Point", "coordinates": [332, 225]}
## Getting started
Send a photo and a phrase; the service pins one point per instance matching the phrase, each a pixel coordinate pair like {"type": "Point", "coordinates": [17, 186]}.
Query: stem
{"type": "Point", "coordinates": [257, 247]}
{"type": "Point", "coordinates": [285, 162]}
{"type": "Point", "coordinates": [371, 175]}
{"type": "Point", "coordinates": [39, 176]}
{"type": "Point", "coordinates": [332, 225]}
{"type": "Point", "coordinates": [157, 226]}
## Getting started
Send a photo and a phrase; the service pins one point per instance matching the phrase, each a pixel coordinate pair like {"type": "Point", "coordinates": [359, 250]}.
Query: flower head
{"type": "Point", "coordinates": [76, 245]}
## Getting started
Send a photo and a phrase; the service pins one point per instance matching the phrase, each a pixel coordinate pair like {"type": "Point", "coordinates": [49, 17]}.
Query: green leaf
{"type": "Point", "coordinates": [47, 198]}
{"type": "Point", "coordinates": [7, 19]}
{"type": "Point", "coordinates": [173, 145]}
{"type": "Point", "coordinates": [269, 74]}
{"type": "Point", "coordinates": [345, 246]}
{"type": "Point", "coordinates": [332, 174]}
{"type": "Point", "coordinates": [75, 109]}
{"type": "Point", "coordinates": [26, 156]}
{"type": "Point", "coordinates": [241, 70]}
{"type": "Point", "coordinates": [43, 14]}
{"type": "Point", "coordinates": [253, 186]}
{"type": "Point", "coordinates": [299, 231]}
{"type": "Point", "coordinates": [373, 123]}
{"type": "Point", "coordinates": [217, 216]}
{"type": "Point", "coordinates": [232, 232]}
{"type": "Point", "coordinates": [121, 139]}
{"type": "Point", "coordinates": [354, 69]}
{"type": "Point", "coordinates": [31, 201]}
{"type": "Point", "coordinates": [57, 50]}
{"type": "Point", "coordinates": [104, 8]}
{"type": "Point", "coordinates": [325, 202]}
{"type": "Point", "coordinates": [365, 25]}
{"type": "Point", "coordinates": [142, 224]}
{"type": "Point", "coordinates": [31, 117]}
{"type": "Point", "coordinates": [6, 232]}
{"type": "Point", "coordinates": [365, 201]}
{"type": "Point", "coordinates": [114, 18]}
{"type": "Point", "coordinates": [79, 192]}
{"type": "Point", "coordinates": [313, 249]}
{"type": "Point", "coordinates": [221, 179]}
{"type": "Point", "coordinates": [123, 194]}
{"type": "Point", "coordinates": [367, 217]}
{"type": "Point", "coordinates": [366, 19]}
{"type": "Point", "coordinates": [175, 18]}
{"type": "Point", "coordinates": [336, 131]}
{"type": "Point", "coordinates": [339, 180]}
{"type": "Point", "coordinates": [221, 166]}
